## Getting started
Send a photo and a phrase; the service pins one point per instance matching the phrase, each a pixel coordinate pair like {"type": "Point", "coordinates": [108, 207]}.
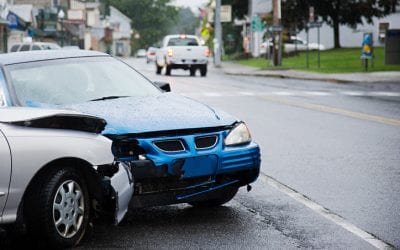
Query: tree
{"type": "Point", "coordinates": [335, 12]}
{"type": "Point", "coordinates": [150, 18]}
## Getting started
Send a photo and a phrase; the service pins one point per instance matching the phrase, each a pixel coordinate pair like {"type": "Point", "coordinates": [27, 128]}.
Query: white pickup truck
{"type": "Point", "coordinates": [182, 52]}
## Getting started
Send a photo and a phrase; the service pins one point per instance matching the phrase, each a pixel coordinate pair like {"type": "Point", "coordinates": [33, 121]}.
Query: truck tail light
{"type": "Point", "coordinates": [207, 52]}
{"type": "Point", "coordinates": [170, 52]}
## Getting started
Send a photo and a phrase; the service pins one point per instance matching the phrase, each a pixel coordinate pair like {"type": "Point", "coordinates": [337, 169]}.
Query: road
{"type": "Point", "coordinates": [330, 170]}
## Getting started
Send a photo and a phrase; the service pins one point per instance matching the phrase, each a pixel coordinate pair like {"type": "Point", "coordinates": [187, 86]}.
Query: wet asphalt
{"type": "Point", "coordinates": [337, 144]}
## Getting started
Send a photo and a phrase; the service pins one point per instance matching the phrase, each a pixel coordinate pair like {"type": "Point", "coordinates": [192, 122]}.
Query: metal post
{"type": "Point", "coordinates": [276, 6]}
{"type": "Point", "coordinates": [319, 60]}
{"type": "Point", "coordinates": [62, 33]}
{"type": "Point", "coordinates": [308, 50]}
{"type": "Point", "coordinates": [218, 34]}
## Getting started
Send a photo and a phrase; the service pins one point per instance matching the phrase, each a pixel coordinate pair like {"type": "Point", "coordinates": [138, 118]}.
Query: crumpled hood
{"type": "Point", "coordinates": [163, 112]}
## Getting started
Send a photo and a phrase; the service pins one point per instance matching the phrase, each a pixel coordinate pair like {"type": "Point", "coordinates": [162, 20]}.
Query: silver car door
{"type": "Point", "coordinates": [5, 170]}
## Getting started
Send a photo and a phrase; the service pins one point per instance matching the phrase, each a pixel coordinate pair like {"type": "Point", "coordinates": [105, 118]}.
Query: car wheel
{"type": "Point", "coordinates": [203, 70]}
{"type": "Point", "coordinates": [58, 209]}
{"type": "Point", "coordinates": [219, 198]}
{"type": "Point", "coordinates": [192, 71]}
{"type": "Point", "coordinates": [158, 69]}
{"type": "Point", "coordinates": [168, 71]}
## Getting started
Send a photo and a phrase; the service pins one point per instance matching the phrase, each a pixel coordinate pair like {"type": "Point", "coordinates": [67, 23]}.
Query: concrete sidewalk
{"type": "Point", "coordinates": [231, 68]}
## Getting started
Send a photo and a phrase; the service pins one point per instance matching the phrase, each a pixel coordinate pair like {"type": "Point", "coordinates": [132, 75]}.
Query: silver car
{"type": "Point", "coordinates": [56, 171]}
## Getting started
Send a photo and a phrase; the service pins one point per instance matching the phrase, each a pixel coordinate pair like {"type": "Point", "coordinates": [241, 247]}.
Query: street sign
{"type": "Point", "coordinates": [256, 24]}
{"type": "Point", "coordinates": [275, 28]}
{"type": "Point", "coordinates": [226, 13]}
{"type": "Point", "coordinates": [314, 25]}
{"type": "Point", "coordinates": [311, 17]}
{"type": "Point", "coordinates": [367, 49]}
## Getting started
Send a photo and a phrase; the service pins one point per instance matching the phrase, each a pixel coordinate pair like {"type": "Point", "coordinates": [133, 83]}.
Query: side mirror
{"type": "Point", "coordinates": [164, 86]}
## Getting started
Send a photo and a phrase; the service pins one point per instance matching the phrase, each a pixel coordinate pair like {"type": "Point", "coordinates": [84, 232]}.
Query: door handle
{"type": "Point", "coordinates": [2, 194]}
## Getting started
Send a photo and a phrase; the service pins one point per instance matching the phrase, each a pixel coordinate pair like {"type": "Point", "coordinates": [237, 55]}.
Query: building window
{"type": "Point", "coordinates": [55, 3]}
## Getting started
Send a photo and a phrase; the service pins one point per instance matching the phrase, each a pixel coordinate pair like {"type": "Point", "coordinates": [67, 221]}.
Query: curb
{"type": "Point", "coordinates": [358, 77]}
{"type": "Point", "coordinates": [283, 76]}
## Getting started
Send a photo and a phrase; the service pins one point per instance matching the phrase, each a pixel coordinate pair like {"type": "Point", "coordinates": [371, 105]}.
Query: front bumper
{"type": "Point", "coordinates": [192, 172]}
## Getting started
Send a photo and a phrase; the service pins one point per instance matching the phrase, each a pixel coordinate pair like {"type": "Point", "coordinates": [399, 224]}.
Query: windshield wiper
{"type": "Point", "coordinates": [108, 97]}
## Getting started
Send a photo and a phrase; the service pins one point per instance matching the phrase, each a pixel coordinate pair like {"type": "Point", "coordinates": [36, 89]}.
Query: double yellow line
{"type": "Point", "coordinates": [332, 110]}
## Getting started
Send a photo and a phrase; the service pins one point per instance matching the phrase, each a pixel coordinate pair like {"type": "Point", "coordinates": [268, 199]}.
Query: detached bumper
{"type": "Point", "coordinates": [123, 186]}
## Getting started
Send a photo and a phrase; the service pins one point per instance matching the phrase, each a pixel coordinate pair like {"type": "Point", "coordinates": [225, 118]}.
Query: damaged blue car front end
{"type": "Point", "coordinates": [185, 166]}
{"type": "Point", "coordinates": [178, 149]}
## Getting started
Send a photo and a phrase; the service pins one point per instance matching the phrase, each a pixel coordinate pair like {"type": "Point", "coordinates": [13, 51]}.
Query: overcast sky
{"type": "Point", "coordinates": [193, 4]}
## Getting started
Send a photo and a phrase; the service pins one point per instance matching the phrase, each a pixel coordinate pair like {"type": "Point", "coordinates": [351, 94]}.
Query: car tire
{"type": "Point", "coordinates": [158, 69]}
{"type": "Point", "coordinates": [219, 198]}
{"type": "Point", "coordinates": [168, 70]}
{"type": "Point", "coordinates": [203, 70]}
{"type": "Point", "coordinates": [58, 208]}
{"type": "Point", "coordinates": [192, 71]}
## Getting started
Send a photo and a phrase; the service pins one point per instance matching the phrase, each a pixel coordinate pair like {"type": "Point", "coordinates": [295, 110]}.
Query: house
{"type": "Point", "coordinates": [122, 32]}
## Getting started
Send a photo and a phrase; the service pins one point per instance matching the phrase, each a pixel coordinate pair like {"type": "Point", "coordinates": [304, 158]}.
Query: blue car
{"type": "Point", "coordinates": [178, 149]}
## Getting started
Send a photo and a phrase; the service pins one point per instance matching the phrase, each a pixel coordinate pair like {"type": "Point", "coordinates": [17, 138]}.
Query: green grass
{"type": "Point", "coordinates": [345, 60]}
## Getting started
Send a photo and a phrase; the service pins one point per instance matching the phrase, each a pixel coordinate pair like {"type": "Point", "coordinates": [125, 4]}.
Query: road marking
{"type": "Point", "coordinates": [353, 93]}
{"type": "Point", "coordinates": [332, 110]}
{"type": "Point", "coordinates": [328, 214]}
{"type": "Point", "coordinates": [247, 93]}
{"type": "Point", "coordinates": [283, 93]}
{"type": "Point", "coordinates": [295, 93]}
{"type": "Point", "coordinates": [212, 94]}
{"type": "Point", "coordinates": [317, 93]}
{"type": "Point", "coordinates": [382, 93]}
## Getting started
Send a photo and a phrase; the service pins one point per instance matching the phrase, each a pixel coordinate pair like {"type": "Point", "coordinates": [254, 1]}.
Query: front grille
{"type": "Point", "coordinates": [170, 145]}
{"type": "Point", "coordinates": [205, 142]}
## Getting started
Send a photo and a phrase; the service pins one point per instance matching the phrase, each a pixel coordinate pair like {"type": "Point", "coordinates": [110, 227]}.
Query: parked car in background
{"type": "Point", "coordinates": [56, 170]}
{"type": "Point", "coordinates": [151, 54]}
{"type": "Point", "coordinates": [295, 43]}
{"type": "Point", "coordinates": [178, 149]}
{"type": "Point", "coordinates": [141, 53]}
{"type": "Point", "coordinates": [33, 46]}
{"type": "Point", "coordinates": [182, 52]}
{"type": "Point", "coordinates": [71, 47]}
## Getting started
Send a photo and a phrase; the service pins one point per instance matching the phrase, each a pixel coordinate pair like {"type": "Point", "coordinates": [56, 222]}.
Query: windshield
{"type": "Point", "coordinates": [72, 81]}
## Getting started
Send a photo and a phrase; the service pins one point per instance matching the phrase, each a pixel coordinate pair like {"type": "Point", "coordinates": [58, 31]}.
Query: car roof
{"type": "Point", "coordinates": [43, 55]}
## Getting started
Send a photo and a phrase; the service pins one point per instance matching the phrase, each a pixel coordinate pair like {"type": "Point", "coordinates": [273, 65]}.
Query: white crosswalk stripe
{"type": "Point", "coordinates": [295, 93]}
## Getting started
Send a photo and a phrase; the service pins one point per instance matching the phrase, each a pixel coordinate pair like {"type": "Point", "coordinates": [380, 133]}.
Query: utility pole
{"type": "Point", "coordinates": [218, 34]}
{"type": "Point", "coordinates": [277, 33]}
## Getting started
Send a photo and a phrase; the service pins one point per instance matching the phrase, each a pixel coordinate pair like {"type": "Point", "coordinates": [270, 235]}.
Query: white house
{"type": "Point", "coordinates": [122, 31]}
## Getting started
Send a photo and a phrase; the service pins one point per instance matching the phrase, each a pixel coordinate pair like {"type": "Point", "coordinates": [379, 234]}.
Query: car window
{"type": "Point", "coordinates": [25, 47]}
{"type": "Point", "coordinates": [50, 46]}
{"type": "Point", "coordinates": [14, 48]}
{"type": "Point", "coordinates": [35, 47]}
{"type": "Point", "coordinates": [182, 42]}
{"type": "Point", "coordinates": [71, 81]}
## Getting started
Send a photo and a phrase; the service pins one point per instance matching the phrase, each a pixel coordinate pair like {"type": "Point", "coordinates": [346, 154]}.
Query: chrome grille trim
{"type": "Point", "coordinates": [214, 137]}
{"type": "Point", "coordinates": [182, 147]}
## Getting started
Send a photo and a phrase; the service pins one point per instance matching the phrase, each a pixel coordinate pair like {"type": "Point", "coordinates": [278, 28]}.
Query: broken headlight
{"type": "Point", "coordinates": [240, 134]}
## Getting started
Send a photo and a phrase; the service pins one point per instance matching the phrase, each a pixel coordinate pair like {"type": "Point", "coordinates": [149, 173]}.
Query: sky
{"type": "Point", "coordinates": [193, 4]}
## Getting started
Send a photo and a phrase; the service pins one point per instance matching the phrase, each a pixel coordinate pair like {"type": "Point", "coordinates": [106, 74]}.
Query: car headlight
{"type": "Point", "coordinates": [240, 134]}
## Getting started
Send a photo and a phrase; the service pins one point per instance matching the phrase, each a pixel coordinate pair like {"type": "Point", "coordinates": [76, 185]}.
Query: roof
{"type": "Point", "coordinates": [42, 55]}
{"type": "Point", "coordinates": [24, 11]}
{"type": "Point", "coordinates": [115, 11]}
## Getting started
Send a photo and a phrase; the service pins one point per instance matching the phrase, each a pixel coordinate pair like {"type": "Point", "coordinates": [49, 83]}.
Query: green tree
{"type": "Point", "coordinates": [335, 12]}
{"type": "Point", "coordinates": [150, 18]}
